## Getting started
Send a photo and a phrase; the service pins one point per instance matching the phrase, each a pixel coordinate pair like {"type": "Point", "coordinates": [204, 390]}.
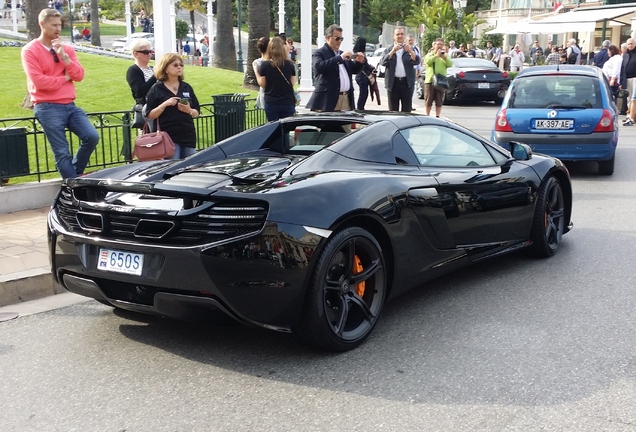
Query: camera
{"type": "Point", "coordinates": [184, 101]}
{"type": "Point", "coordinates": [441, 52]}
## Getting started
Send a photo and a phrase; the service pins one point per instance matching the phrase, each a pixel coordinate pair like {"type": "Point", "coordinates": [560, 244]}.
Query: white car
{"type": "Point", "coordinates": [123, 44]}
{"type": "Point", "coordinates": [189, 40]}
{"type": "Point", "coordinates": [374, 61]}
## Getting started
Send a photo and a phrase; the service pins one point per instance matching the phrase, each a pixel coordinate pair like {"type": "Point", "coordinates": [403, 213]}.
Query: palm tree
{"type": "Point", "coordinates": [192, 6]}
{"type": "Point", "coordinates": [95, 33]}
{"type": "Point", "coordinates": [32, 9]}
{"type": "Point", "coordinates": [224, 46]}
{"type": "Point", "coordinates": [258, 26]}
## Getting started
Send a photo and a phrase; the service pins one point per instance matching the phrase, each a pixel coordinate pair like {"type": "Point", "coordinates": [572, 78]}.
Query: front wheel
{"type": "Point", "coordinates": [346, 293]}
{"type": "Point", "coordinates": [549, 219]}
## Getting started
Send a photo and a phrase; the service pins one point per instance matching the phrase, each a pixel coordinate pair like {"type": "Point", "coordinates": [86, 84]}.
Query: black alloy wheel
{"type": "Point", "coordinates": [346, 293]}
{"type": "Point", "coordinates": [549, 219]}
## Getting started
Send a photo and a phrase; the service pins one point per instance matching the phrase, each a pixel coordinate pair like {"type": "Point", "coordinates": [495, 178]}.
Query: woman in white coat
{"type": "Point", "coordinates": [516, 59]}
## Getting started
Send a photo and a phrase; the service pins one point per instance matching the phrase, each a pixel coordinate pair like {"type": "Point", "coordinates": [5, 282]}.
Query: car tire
{"type": "Point", "coordinates": [346, 292]}
{"type": "Point", "coordinates": [549, 219]}
{"type": "Point", "coordinates": [606, 167]}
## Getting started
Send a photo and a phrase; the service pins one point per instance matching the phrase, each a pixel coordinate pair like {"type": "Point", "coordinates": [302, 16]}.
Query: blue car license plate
{"type": "Point", "coordinates": [120, 261]}
{"type": "Point", "coordinates": [553, 124]}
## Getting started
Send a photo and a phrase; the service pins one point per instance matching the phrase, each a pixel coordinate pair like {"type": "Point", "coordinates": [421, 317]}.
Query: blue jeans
{"type": "Point", "coordinates": [276, 112]}
{"type": "Point", "coordinates": [182, 152]}
{"type": "Point", "coordinates": [55, 118]}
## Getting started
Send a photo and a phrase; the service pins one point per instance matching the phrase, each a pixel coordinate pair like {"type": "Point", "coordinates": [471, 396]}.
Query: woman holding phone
{"type": "Point", "coordinates": [173, 103]}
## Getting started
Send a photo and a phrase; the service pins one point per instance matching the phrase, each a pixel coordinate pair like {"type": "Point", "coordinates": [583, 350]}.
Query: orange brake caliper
{"type": "Point", "coordinates": [357, 269]}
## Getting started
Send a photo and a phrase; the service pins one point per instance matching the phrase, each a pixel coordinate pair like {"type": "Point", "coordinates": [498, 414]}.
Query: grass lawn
{"type": "Point", "coordinates": [105, 88]}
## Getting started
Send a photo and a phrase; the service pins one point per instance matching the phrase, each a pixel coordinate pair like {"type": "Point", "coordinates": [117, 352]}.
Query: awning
{"type": "Point", "coordinates": [583, 16]}
{"type": "Point", "coordinates": [579, 20]}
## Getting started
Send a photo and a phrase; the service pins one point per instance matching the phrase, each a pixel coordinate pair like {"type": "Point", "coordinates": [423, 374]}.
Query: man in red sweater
{"type": "Point", "coordinates": [51, 67]}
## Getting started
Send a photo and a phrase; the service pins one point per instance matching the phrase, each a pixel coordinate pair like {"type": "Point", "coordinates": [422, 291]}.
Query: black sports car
{"type": "Point", "coordinates": [472, 79]}
{"type": "Point", "coordinates": [267, 231]}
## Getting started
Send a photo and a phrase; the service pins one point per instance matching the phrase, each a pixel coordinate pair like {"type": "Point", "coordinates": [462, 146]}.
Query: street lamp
{"type": "Point", "coordinates": [459, 6]}
{"type": "Point", "coordinates": [239, 60]}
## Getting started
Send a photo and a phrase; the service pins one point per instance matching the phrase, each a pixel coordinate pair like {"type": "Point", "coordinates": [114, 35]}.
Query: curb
{"type": "Point", "coordinates": [27, 285]}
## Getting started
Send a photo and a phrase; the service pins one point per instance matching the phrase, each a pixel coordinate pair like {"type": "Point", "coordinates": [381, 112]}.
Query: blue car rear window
{"type": "Point", "coordinates": [552, 91]}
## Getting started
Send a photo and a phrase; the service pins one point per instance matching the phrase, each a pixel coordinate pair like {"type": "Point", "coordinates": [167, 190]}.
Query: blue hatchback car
{"type": "Point", "coordinates": [564, 111]}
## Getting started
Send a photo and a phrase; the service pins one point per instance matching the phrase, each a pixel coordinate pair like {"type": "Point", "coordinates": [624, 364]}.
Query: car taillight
{"type": "Point", "coordinates": [504, 74]}
{"type": "Point", "coordinates": [502, 124]}
{"type": "Point", "coordinates": [606, 124]}
{"type": "Point", "coordinates": [461, 74]}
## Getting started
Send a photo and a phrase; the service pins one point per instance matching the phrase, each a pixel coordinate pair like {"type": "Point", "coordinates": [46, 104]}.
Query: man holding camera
{"type": "Point", "coordinates": [399, 79]}
{"type": "Point", "coordinates": [333, 88]}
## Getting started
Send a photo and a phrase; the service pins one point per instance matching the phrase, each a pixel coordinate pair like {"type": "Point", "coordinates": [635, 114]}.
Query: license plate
{"type": "Point", "coordinates": [120, 261]}
{"type": "Point", "coordinates": [553, 124]}
{"type": "Point", "coordinates": [483, 85]}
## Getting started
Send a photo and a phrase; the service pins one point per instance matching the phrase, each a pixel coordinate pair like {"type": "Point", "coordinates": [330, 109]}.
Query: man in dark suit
{"type": "Point", "coordinates": [399, 79]}
{"type": "Point", "coordinates": [333, 87]}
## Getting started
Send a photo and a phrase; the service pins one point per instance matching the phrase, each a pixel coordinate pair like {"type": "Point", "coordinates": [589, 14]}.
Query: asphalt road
{"type": "Point", "coordinates": [512, 344]}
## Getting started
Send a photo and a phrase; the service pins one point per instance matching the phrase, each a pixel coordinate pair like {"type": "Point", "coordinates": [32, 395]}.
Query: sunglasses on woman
{"type": "Point", "coordinates": [146, 52]}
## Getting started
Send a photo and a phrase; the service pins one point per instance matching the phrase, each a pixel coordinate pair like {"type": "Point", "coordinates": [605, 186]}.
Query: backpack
{"type": "Point", "coordinates": [573, 56]}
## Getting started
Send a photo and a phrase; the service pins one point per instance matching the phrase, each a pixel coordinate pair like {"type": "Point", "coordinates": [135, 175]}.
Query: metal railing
{"type": "Point", "coordinates": [116, 139]}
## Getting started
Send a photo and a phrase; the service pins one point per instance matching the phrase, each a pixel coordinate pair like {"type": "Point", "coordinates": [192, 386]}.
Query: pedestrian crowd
{"type": "Point", "coordinates": [162, 96]}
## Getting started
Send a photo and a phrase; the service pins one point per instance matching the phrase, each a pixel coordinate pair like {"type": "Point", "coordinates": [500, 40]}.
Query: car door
{"type": "Point", "coordinates": [482, 195]}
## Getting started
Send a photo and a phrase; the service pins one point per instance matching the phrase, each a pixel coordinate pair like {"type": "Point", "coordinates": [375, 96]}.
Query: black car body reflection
{"type": "Point", "coordinates": [266, 231]}
{"type": "Point", "coordinates": [472, 79]}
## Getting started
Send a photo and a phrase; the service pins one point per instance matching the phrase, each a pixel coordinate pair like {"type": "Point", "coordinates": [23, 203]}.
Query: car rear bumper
{"type": "Point", "coordinates": [247, 279]}
{"type": "Point", "coordinates": [596, 146]}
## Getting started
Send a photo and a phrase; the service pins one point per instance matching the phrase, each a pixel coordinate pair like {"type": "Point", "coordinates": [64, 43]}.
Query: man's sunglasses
{"type": "Point", "coordinates": [338, 38]}
{"type": "Point", "coordinates": [145, 51]}
{"type": "Point", "coordinates": [56, 59]}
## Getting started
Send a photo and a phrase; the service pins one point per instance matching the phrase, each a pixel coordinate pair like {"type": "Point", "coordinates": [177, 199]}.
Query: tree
{"type": "Point", "coordinates": [181, 30]}
{"type": "Point", "coordinates": [95, 33]}
{"type": "Point", "coordinates": [496, 39]}
{"type": "Point", "coordinates": [224, 46]}
{"type": "Point", "coordinates": [258, 24]}
{"type": "Point", "coordinates": [381, 11]}
{"type": "Point", "coordinates": [192, 6]}
{"type": "Point", "coordinates": [146, 5]}
{"type": "Point", "coordinates": [32, 10]}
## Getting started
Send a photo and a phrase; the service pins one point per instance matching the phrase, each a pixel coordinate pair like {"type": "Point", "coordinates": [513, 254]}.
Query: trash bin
{"type": "Point", "coordinates": [229, 115]}
{"type": "Point", "coordinates": [14, 156]}
{"type": "Point", "coordinates": [506, 63]}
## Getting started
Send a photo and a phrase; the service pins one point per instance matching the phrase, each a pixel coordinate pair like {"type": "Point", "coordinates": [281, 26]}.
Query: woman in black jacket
{"type": "Point", "coordinates": [140, 76]}
{"type": "Point", "coordinates": [362, 77]}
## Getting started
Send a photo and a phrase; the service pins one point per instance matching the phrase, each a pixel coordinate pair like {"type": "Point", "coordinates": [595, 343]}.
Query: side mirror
{"type": "Point", "coordinates": [520, 151]}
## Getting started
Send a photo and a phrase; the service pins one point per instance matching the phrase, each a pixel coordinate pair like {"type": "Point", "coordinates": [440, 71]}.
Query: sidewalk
{"type": "Point", "coordinates": [24, 261]}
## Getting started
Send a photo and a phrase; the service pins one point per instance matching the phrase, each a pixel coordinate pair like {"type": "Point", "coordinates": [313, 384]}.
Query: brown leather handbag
{"type": "Point", "coordinates": [153, 145]}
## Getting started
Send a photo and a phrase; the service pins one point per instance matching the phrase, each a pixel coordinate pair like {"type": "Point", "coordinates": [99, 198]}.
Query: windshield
{"type": "Point", "coordinates": [556, 91]}
{"type": "Point", "coordinates": [472, 63]}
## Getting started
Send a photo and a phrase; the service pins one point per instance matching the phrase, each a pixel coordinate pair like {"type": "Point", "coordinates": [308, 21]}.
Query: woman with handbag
{"type": "Point", "coordinates": [277, 75]}
{"type": "Point", "coordinates": [436, 61]}
{"type": "Point", "coordinates": [141, 78]}
{"type": "Point", "coordinates": [173, 103]}
{"type": "Point", "coordinates": [612, 69]}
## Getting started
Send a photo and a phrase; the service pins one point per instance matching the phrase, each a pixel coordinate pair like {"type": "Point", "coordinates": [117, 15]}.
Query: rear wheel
{"type": "Point", "coordinates": [346, 292]}
{"type": "Point", "coordinates": [549, 219]}
{"type": "Point", "coordinates": [606, 167]}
